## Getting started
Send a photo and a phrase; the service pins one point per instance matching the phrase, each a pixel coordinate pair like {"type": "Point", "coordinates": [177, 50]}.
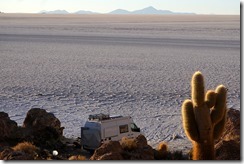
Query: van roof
{"type": "Point", "coordinates": [105, 117]}
{"type": "Point", "coordinates": [99, 116]}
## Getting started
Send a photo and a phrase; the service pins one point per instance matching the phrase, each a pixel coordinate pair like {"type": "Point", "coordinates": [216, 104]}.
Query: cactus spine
{"type": "Point", "coordinates": [204, 117]}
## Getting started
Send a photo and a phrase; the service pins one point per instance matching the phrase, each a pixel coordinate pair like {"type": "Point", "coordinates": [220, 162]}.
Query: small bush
{"type": "Point", "coordinates": [77, 157]}
{"type": "Point", "coordinates": [162, 147]}
{"type": "Point", "coordinates": [26, 147]}
{"type": "Point", "coordinates": [128, 144]}
{"type": "Point", "coordinates": [162, 151]}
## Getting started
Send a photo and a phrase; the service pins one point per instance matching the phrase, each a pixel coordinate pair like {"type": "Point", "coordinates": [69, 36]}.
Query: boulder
{"type": "Point", "coordinates": [228, 146]}
{"type": "Point", "coordinates": [42, 128]}
{"type": "Point", "coordinates": [232, 127]}
{"type": "Point", "coordinates": [108, 151]}
{"type": "Point", "coordinates": [8, 129]}
{"type": "Point", "coordinates": [141, 141]}
{"type": "Point", "coordinates": [126, 149]}
{"type": "Point", "coordinates": [37, 119]}
{"type": "Point", "coordinates": [228, 150]}
{"type": "Point", "coordinates": [142, 151]}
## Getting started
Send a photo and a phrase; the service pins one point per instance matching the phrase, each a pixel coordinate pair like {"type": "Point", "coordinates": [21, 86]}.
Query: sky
{"type": "Point", "coordinates": [223, 7]}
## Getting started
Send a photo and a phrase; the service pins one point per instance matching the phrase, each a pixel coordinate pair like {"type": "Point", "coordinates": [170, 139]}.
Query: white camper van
{"type": "Point", "coordinates": [102, 128]}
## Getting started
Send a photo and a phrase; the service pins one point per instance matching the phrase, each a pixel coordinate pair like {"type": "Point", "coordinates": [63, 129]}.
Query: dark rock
{"type": "Point", "coordinates": [43, 128]}
{"type": "Point", "coordinates": [228, 150]}
{"type": "Point", "coordinates": [141, 141]}
{"type": "Point", "coordinates": [142, 152]}
{"type": "Point", "coordinates": [232, 126]}
{"type": "Point", "coordinates": [127, 149]}
{"type": "Point", "coordinates": [39, 119]}
{"type": "Point", "coordinates": [108, 151]}
{"type": "Point", "coordinates": [228, 146]}
{"type": "Point", "coordinates": [8, 129]}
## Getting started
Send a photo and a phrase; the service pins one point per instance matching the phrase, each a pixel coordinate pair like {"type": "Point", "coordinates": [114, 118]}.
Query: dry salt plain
{"type": "Point", "coordinates": [76, 65]}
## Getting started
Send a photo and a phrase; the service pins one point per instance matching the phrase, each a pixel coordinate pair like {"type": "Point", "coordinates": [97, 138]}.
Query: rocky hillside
{"type": "Point", "coordinates": [41, 137]}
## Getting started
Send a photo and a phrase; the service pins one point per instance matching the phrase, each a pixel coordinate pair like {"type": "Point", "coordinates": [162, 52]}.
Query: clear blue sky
{"type": "Point", "coordinates": [103, 6]}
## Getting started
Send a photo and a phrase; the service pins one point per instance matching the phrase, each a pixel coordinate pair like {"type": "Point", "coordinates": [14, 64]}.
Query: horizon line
{"type": "Point", "coordinates": [109, 14]}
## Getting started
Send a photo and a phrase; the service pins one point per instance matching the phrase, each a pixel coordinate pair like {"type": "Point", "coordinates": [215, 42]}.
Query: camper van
{"type": "Point", "coordinates": [101, 128]}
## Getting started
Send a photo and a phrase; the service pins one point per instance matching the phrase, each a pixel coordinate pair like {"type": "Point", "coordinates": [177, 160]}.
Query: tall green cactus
{"type": "Point", "coordinates": [204, 117]}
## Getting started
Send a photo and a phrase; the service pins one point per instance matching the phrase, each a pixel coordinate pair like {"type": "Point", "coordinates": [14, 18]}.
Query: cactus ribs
{"type": "Point", "coordinates": [204, 117]}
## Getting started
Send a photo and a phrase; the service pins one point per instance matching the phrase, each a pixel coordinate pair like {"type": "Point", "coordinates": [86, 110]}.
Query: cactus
{"type": "Point", "coordinates": [204, 117]}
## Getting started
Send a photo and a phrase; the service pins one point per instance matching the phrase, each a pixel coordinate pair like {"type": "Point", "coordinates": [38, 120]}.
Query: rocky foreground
{"type": "Point", "coordinates": [41, 138]}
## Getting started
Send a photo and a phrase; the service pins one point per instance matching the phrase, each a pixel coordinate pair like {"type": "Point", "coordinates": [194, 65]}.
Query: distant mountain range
{"type": "Point", "coordinates": [147, 10]}
{"type": "Point", "coordinates": [54, 12]}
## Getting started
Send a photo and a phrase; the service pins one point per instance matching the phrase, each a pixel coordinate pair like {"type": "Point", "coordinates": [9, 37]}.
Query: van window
{"type": "Point", "coordinates": [134, 128]}
{"type": "Point", "coordinates": [123, 128]}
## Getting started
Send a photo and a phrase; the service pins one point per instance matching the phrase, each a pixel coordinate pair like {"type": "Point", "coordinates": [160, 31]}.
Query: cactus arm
{"type": "Point", "coordinates": [217, 112]}
{"type": "Point", "coordinates": [204, 117]}
{"type": "Point", "coordinates": [219, 127]}
{"type": "Point", "coordinates": [197, 85]}
{"type": "Point", "coordinates": [210, 98]}
{"type": "Point", "coordinates": [189, 123]}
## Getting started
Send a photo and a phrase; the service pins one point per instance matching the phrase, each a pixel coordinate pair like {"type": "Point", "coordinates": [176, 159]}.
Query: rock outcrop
{"type": "Point", "coordinates": [42, 128]}
{"type": "Point", "coordinates": [114, 150]}
{"type": "Point", "coordinates": [9, 129]}
{"type": "Point", "coordinates": [39, 127]}
{"type": "Point", "coordinates": [142, 150]}
{"type": "Point", "coordinates": [38, 119]}
{"type": "Point", "coordinates": [108, 151]}
{"type": "Point", "coordinates": [228, 146]}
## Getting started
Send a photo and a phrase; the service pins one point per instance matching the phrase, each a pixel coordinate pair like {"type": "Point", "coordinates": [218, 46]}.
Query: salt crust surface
{"type": "Point", "coordinates": [76, 65]}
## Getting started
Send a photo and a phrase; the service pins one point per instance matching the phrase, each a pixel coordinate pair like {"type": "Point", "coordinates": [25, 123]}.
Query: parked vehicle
{"type": "Point", "coordinates": [101, 128]}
